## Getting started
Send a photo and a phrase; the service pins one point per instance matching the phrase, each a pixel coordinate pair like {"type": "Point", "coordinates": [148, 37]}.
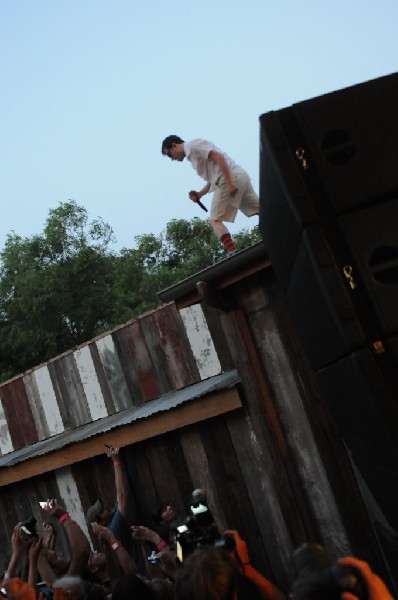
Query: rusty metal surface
{"type": "Point", "coordinates": [162, 404]}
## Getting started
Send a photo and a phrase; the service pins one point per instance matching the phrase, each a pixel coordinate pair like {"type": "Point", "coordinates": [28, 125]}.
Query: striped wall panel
{"type": "Point", "coordinates": [70, 498]}
{"type": "Point", "coordinates": [18, 413]}
{"type": "Point", "coordinates": [161, 351]}
{"type": "Point", "coordinates": [173, 343]}
{"type": "Point", "coordinates": [200, 341]}
{"type": "Point", "coordinates": [5, 438]}
{"type": "Point", "coordinates": [91, 385]}
{"type": "Point", "coordinates": [48, 400]}
{"type": "Point", "coordinates": [113, 372]}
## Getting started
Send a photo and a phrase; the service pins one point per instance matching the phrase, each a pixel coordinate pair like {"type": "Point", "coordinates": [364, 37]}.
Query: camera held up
{"type": "Point", "coordinates": [199, 528]}
{"type": "Point", "coordinates": [316, 576]}
{"type": "Point", "coordinates": [28, 529]}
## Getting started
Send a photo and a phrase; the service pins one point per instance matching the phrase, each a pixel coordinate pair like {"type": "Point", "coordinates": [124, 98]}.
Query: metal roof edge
{"type": "Point", "coordinates": [220, 270]}
{"type": "Point", "coordinates": [164, 403]}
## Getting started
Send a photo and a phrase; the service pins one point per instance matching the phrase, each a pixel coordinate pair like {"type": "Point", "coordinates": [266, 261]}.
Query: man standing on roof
{"type": "Point", "coordinates": [230, 183]}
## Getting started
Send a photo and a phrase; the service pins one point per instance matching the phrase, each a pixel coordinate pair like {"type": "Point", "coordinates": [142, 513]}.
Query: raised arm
{"type": "Point", "coordinates": [267, 590]}
{"type": "Point", "coordinates": [19, 547]}
{"type": "Point", "coordinates": [79, 544]}
{"type": "Point", "coordinates": [34, 552]}
{"type": "Point", "coordinates": [121, 483]}
{"type": "Point", "coordinates": [376, 588]}
{"type": "Point", "coordinates": [126, 562]}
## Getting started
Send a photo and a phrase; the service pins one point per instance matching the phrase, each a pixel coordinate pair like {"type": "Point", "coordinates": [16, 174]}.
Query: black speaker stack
{"type": "Point", "coordinates": [329, 220]}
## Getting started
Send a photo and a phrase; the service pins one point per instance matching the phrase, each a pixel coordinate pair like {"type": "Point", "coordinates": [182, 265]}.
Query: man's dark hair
{"type": "Point", "coordinates": [208, 573]}
{"type": "Point", "coordinates": [157, 510]}
{"type": "Point", "coordinates": [169, 141]}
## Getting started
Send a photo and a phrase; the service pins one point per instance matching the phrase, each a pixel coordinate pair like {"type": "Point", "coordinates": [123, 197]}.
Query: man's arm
{"type": "Point", "coordinates": [376, 588]}
{"type": "Point", "coordinates": [19, 547]}
{"type": "Point", "coordinates": [195, 196]}
{"type": "Point", "coordinates": [121, 483]}
{"type": "Point", "coordinates": [79, 544]}
{"type": "Point", "coordinates": [126, 562]}
{"type": "Point", "coordinates": [219, 158]}
{"type": "Point", "coordinates": [267, 590]}
{"type": "Point", "coordinates": [34, 551]}
{"type": "Point", "coordinates": [44, 567]}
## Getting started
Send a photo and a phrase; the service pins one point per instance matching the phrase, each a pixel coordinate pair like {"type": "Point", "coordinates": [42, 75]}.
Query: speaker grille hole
{"type": "Point", "coordinates": [338, 147]}
{"type": "Point", "coordinates": [384, 264]}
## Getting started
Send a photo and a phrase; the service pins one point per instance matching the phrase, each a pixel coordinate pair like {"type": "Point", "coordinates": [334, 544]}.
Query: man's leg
{"type": "Point", "coordinates": [224, 208]}
{"type": "Point", "coordinates": [223, 235]}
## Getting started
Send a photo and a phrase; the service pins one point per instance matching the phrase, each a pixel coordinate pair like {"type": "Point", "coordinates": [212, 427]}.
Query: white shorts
{"type": "Point", "coordinates": [224, 207]}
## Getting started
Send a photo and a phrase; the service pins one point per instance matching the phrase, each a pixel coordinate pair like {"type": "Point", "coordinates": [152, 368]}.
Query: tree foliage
{"type": "Point", "coordinates": [65, 286]}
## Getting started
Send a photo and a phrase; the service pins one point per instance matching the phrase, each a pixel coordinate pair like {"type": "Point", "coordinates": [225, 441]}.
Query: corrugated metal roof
{"type": "Point", "coordinates": [217, 272]}
{"type": "Point", "coordinates": [162, 404]}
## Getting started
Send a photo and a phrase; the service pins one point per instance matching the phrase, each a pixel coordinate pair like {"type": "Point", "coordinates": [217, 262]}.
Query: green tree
{"type": "Point", "coordinates": [64, 287]}
{"type": "Point", "coordinates": [55, 288]}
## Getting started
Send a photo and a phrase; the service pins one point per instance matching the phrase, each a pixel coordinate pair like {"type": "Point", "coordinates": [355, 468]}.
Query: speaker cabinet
{"type": "Point", "coordinates": [329, 220]}
{"type": "Point", "coordinates": [361, 402]}
{"type": "Point", "coordinates": [329, 214]}
{"type": "Point", "coordinates": [320, 302]}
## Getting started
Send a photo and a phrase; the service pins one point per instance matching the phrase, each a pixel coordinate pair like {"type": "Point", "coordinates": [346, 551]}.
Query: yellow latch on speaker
{"type": "Point", "coordinates": [347, 270]}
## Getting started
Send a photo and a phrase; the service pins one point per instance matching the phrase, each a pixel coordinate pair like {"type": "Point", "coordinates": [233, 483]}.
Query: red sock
{"type": "Point", "coordinates": [228, 242]}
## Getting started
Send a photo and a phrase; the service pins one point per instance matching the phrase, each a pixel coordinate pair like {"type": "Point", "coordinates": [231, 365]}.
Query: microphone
{"type": "Point", "coordinates": [202, 206]}
{"type": "Point", "coordinates": [194, 196]}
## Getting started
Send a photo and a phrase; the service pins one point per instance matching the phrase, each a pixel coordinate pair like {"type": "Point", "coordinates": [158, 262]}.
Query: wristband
{"type": "Point", "coordinates": [117, 463]}
{"type": "Point", "coordinates": [70, 522]}
{"type": "Point", "coordinates": [161, 545]}
{"type": "Point", "coordinates": [63, 517]}
{"type": "Point", "coordinates": [116, 545]}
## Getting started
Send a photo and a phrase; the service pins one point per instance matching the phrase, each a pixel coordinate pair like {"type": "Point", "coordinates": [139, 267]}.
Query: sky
{"type": "Point", "coordinates": [90, 88]}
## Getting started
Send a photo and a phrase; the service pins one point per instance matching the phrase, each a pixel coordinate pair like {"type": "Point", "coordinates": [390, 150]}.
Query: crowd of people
{"type": "Point", "coordinates": [137, 562]}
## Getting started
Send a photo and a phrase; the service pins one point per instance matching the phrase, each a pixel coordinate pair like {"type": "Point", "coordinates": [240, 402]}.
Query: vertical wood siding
{"type": "Point", "coordinates": [91, 385]}
{"type": "Point", "coordinates": [19, 415]}
{"type": "Point", "coordinates": [69, 391]}
{"type": "Point", "coordinates": [200, 341]}
{"type": "Point", "coordinates": [70, 498]}
{"type": "Point", "coordinates": [180, 364]}
{"type": "Point", "coordinates": [139, 355]}
{"type": "Point", "coordinates": [48, 400]}
{"type": "Point", "coordinates": [270, 468]}
{"type": "Point", "coordinates": [5, 438]}
{"type": "Point", "coordinates": [36, 406]}
{"type": "Point", "coordinates": [113, 372]}
{"type": "Point", "coordinates": [157, 353]}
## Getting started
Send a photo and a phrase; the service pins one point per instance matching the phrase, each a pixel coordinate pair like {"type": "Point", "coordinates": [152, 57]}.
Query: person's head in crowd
{"type": "Point", "coordinates": [162, 588]}
{"type": "Point", "coordinates": [100, 513]}
{"type": "Point", "coordinates": [208, 573]}
{"type": "Point", "coordinates": [76, 588]}
{"type": "Point", "coordinates": [72, 586]}
{"type": "Point", "coordinates": [130, 586]}
{"type": "Point", "coordinates": [96, 562]}
{"type": "Point", "coordinates": [163, 513]}
{"type": "Point", "coordinates": [97, 571]}
{"type": "Point", "coordinates": [57, 561]}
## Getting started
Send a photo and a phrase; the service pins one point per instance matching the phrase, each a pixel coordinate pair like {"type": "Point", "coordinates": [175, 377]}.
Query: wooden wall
{"type": "Point", "coordinates": [275, 469]}
{"type": "Point", "coordinates": [154, 354]}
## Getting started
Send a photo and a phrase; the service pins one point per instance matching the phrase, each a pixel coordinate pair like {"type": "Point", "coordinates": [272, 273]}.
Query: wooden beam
{"type": "Point", "coordinates": [193, 297]}
{"type": "Point", "coordinates": [190, 413]}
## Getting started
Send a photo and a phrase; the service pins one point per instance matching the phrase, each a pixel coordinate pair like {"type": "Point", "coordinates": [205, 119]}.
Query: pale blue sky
{"type": "Point", "coordinates": [89, 88]}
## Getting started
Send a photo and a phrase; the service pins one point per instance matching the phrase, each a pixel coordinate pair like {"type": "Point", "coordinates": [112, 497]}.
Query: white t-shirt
{"type": "Point", "coordinates": [197, 152]}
